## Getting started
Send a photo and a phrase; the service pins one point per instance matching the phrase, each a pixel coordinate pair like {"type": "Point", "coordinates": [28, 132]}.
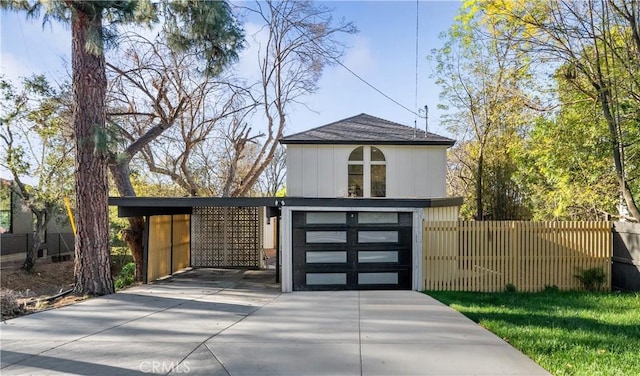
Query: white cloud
{"type": "Point", "coordinates": [13, 67]}
{"type": "Point", "coordinates": [359, 57]}
{"type": "Point", "coordinates": [248, 65]}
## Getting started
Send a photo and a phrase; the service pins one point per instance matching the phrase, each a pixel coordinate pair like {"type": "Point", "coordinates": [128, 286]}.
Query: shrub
{"type": "Point", "coordinates": [9, 304]}
{"type": "Point", "coordinates": [125, 277]}
{"type": "Point", "coordinates": [120, 256]}
{"type": "Point", "coordinates": [510, 287]}
{"type": "Point", "coordinates": [551, 289]}
{"type": "Point", "coordinates": [592, 279]}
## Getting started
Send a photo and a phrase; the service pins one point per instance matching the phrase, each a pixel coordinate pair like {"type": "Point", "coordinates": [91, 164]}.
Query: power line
{"type": "Point", "coordinates": [371, 85]}
{"type": "Point", "coordinates": [295, 25]}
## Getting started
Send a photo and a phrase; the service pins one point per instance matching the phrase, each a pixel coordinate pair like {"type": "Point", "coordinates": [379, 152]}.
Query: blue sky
{"type": "Point", "coordinates": [383, 53]}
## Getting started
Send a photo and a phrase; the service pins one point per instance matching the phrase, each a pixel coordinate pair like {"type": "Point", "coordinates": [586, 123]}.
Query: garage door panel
{"type": "Point", "coordinates": [390, 256]}
{"type": "Point", "coordinates": [369, 251]}
{"type": "Point", "coordinates": [326, 257]}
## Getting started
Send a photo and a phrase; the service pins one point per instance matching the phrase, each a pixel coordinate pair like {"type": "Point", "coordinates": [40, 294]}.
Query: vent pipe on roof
{"type": "Point", "coordinates": [426, 120]}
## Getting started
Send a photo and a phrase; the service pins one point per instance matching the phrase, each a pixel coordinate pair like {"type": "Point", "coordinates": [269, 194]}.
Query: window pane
{"type": "Point", "coordinates": [378, 256]}
{"type": "Point", "coordinates": [5, 221]}
{"type": "Point", "coordinates": [373, 217]}
{"type": "Point", "coordinates": [376, 154]}
{"type": "Point", "coordinates": [326, 278]}
{"type": "Point", "coordinates": [378, 278]}
{"type": "Point", "coordinates": [377, 236]}
{"type": "Point", "coordinates": [322, 257]}
{"type": "Point", "coordinates": [357, 154]}
{"type": "Point", "coordinates": [5, 206]}
{"type": "Point", "coordinates": [326, 218]}
{"type": "Point", "coordinates": [378, 181]}
{"type": "Point", "coordinates": [326, 236]}
{"type": "Point", "coordinates": [356, 180]}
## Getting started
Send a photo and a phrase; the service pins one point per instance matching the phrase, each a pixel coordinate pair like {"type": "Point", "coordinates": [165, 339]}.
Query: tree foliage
{"type": "Point", "coordinates": [299, 39]}
{"type": "Point", "coordinates": [224, 141]}
{"type": "Point", "coordinates": [484, 79]}
{"type": "Point", "coordinates": [567, 165]}
{"type": "Point", "coordinates": [37, 150]}
{"type": "Point", "coordinates": [577, 153]}
{"type": "Point", "coordinates": [597, 45]}
{"type": "Point", "coordinates": [205, 27]}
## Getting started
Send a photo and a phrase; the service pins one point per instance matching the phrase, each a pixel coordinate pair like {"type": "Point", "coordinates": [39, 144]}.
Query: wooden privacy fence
{"type": "Point", "coordinates": [168, 247]}
{"type": "Point", "coordinates": [488, 255]}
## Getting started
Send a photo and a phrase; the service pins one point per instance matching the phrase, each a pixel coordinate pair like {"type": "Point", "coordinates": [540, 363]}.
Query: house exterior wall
{"type": "Point", "coordinates": [269, 232]}
{"type": "Point", "coordinates": [413, 171]}
{"type": "Point", "coordinates": [59, 235]}
{"type": "Point", "coordinates": [21, 218]}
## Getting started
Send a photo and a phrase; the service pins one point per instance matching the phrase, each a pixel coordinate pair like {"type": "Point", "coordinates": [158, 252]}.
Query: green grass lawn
{"type": "Point", "coordinates": [567, 333]}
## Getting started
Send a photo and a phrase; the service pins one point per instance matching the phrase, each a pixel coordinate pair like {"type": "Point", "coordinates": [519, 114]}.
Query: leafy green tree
{"type": "Point", "coordinates": [36, 146]}
{"type": "Point", "coordinates": [484, 80]}
{"type": "Point", "coordinates": [598, 45]}
{"type": "Point", "coordinates": [189, 25]}
{"type": "Point", "coordinates": [567, 164]}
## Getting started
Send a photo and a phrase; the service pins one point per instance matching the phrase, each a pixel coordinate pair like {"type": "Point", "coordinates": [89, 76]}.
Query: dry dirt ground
{"type": "Point", "coordinates": [24, 293]}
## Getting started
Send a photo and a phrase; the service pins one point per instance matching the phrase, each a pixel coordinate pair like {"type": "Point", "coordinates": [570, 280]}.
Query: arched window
{"type": "Point", "coordinates": [367, 172]}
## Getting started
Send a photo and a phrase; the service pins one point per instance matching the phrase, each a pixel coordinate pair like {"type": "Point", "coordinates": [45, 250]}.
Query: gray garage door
{"type": "Point", "coordinates": [351, 250]}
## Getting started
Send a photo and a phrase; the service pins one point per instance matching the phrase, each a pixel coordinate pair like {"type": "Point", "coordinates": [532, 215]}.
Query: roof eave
{"type": "Point", "coordinates": [368, 142]}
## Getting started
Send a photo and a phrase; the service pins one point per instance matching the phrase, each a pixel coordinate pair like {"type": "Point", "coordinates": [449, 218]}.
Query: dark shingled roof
{"type": "Point", "coordinates": [368, 130]}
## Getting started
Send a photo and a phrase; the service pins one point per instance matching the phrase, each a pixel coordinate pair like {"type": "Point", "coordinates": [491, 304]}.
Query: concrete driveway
{"type": "Point", "coordinates": [213, 322]}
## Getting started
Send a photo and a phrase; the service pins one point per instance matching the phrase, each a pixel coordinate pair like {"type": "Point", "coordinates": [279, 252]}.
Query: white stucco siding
{"type": "Point", "coordinates": [415, 171]}
{"type": "Point", "coordinates": [310, 172]}
{"type": "Point", "coordinates": [438, 182]}
{"type": "Point", "coordinates": [340, 172]}
{"type": "Point", "coordinates": [423, 172]}
{"type": "Point", "coordinates": [321, 170]}
{"type": "Point", "coordinates": [326, 176]}
{"type": "Point", "coordinates": [294, 170]}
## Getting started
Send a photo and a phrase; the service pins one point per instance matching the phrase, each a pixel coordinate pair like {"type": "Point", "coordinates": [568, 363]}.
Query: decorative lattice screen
{"type": "Point", "coordinates": [226, 237]}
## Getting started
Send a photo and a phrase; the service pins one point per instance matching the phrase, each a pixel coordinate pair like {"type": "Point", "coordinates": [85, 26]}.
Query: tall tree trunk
{"type": "Point", "coordinates": [93, 261]}
{"type": "Point", "coordinates": [479, 172]}
{"type": "Point", "coordinates": [617, 148]}
{"type": "Point", "coordinates": [133, 235]}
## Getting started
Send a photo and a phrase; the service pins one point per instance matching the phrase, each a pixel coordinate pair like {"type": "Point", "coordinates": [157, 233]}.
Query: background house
{"type": "Point", "coordinates": [16, 230]}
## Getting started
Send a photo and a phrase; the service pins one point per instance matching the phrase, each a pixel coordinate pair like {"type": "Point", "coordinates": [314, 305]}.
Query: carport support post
{"type": "Point", "coordinates": [171, 245]}
{"type": "Point", "coordinates": [145, 250]}
{"type": "Point", "coordinates": [277, 249]}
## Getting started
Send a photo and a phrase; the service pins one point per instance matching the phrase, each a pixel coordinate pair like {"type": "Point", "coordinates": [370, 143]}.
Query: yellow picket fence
{"type": "Point", "coordinates": [488, 255]}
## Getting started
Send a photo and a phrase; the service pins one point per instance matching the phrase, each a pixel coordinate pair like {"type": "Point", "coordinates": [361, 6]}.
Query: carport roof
{"type": "Point", "coordinates": [143, 206]}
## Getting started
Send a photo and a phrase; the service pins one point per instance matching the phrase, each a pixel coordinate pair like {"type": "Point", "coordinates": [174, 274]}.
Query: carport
{"type": "Point", "coordinates": [199, 232]}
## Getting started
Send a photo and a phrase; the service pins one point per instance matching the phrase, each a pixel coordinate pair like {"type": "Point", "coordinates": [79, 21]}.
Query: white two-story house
{"type": "Point", "coordinates": [359, 190]}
